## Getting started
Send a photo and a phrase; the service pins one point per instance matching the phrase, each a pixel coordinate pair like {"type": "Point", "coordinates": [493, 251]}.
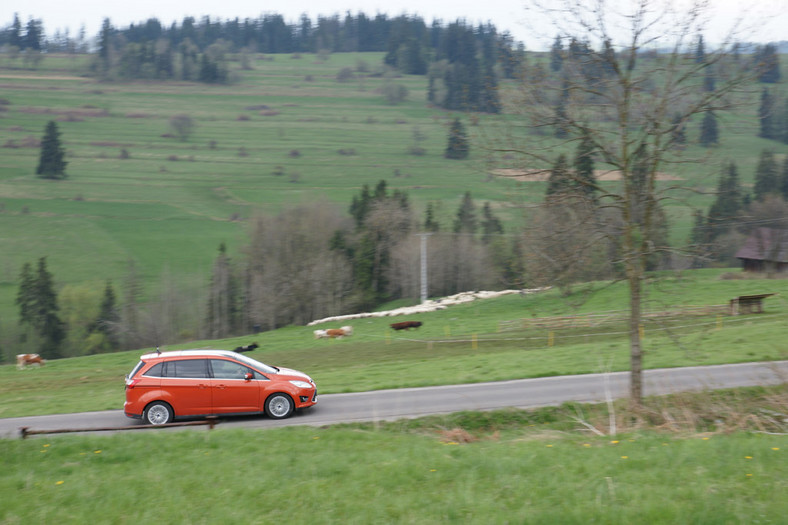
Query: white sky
{"type": "Point", "coordinates": [769, 17]}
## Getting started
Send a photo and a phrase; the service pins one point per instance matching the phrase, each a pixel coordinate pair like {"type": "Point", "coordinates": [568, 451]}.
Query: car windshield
{"type": "Point", "coordinates": [262, 367]}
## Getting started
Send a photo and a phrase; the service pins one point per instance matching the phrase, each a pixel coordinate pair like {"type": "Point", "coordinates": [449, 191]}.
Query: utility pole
{"type": "Point", "coordinates": [423, 265]}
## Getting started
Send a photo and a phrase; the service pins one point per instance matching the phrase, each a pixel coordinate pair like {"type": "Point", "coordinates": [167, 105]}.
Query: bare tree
{"type": "Point", "coordinates": [293, 274]}
{"type": "Point", "coordinates": [628, 82]}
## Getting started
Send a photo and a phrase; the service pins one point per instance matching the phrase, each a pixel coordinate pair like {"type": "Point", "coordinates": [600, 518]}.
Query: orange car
{"type": "Point", "coordinates": [190, 383]}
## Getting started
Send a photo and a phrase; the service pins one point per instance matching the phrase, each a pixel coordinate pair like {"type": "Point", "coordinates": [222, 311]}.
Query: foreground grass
{"type": "Point", "coordinates": [498, 467]}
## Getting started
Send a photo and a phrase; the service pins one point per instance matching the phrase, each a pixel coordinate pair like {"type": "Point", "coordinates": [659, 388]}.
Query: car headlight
{"type": "Point", "coordinates": [301, 384]}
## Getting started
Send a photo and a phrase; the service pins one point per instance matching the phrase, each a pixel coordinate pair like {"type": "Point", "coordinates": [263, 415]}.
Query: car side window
{"type": "Point", "coordinates": [155, 371]}
{"type": "Point", "coordinates": [228, 369]}
{"type": "Point", "coordinates": [190, 368]}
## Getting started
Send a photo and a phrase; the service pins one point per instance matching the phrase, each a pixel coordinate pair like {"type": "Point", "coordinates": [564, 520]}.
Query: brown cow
{"type": "Point", "coordinates": [23, 360]}
{"type": "Point", "coordinates": [405, 325]}
{"type": "Point", "coordinates": [345, 331]}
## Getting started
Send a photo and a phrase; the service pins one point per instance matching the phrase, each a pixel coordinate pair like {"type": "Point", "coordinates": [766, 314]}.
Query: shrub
{"type": "Point", "coordinates": [345, 74]}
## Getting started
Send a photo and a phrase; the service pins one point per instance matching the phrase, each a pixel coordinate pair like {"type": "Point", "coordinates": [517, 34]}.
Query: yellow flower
{"type": "Point", "coordinates": [775, 448]}
{"type": "Point", "coordinates": [705, 439]}
{"type": "Point", "coordinates": [749, 475]}
{"type": "Point", "coordinates": [433, 470]}
{"type": "Point", "coordinates": [747, 457]}
{"type": "Point", "coordinates": [586, 444]}
{"type": "Point", "coordinates": [549, 446]}
{"type": "Point", "coordinates": [614, 442]}
{"type": "Point", "coordinates": [97, 452]}
{"type": "Point", "coordinates": [59, 482]}
{"type": "Point", "coordinates": [46, 445]}
{"type": "Point", "coordinates": [624, 457]}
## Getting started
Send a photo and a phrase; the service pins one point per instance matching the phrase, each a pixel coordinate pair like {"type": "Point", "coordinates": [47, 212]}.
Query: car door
{"type": "Point", "coordinates": [189, 386]}
{"type": "Point", "coordinates": [235, 387]}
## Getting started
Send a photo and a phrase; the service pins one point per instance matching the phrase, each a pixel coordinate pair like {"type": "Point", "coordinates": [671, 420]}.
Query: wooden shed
{"type": "Point", "coordinates": [748, 304]}
{"type": "Point", "coordinates": [765, 250]}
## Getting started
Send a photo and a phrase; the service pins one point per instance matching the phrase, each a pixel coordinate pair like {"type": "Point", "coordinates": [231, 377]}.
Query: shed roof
{"type": "Point", "coordinates": [765, 244]}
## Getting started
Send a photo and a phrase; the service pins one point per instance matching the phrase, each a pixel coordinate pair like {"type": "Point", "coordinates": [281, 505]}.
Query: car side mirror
{"type": "Point", "coordinates": [248, 376]}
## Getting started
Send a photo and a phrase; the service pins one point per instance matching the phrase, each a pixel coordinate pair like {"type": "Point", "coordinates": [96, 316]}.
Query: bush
{"type": "Point", "coordinates": [345, 74]}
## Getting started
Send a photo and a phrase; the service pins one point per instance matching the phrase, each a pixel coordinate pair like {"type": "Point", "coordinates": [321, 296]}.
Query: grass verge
{"type": "Point", "coordinates": [499, 467]}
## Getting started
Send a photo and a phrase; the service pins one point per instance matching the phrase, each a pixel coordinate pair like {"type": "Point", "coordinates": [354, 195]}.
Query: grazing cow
{"type": "Point", "coordinates": [405, 325]}
{"type": "Point", "coordinates": [23, 360]}
{"type": "Point", "coordinates": [246, 348]}
{"type": "Point", "coordinates": [334, 333]}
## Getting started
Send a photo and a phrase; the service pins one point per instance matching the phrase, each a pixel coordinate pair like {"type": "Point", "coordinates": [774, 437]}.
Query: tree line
{"type": "Point", "coordinates": [463, 61]}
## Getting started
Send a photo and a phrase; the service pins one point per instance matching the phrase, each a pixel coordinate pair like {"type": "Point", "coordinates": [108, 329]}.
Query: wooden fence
{"type": "Point", "coordinates": [607, 318]}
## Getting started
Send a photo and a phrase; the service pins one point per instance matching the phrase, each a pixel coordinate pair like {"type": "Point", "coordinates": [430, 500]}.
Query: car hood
{"type": "Point", "coordinates": [295, 374]}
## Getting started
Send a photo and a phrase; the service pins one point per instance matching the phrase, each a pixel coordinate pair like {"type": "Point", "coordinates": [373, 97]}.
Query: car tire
{"type": "Point", "coordinates": [158, 413]}
{"type": "Point", "coordinates": [279, 406]}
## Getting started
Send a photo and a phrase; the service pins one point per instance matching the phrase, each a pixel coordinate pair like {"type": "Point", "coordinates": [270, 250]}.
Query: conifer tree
{"type": "Point", "coordinates": [766, 178]}
{"type": "Point", "coordinates": [784, 179]}
{"type": "Point", "coordinates": [766, 116]}
{"type": "Point", "coordinates": [709, 132]}
{"type": "Point", "coordinates": [38, 308]}
{"type": "Point", "coordinates": [457, 147]}
{"type": "Point", "coordinates": [466, 221]}
{"type": "Point", "coordinates": [559, 181]}
{"type": "Point", "coordinates": [727, 207]}
{"type": "Point", "coordinates": [585, 180]}
{"type": "Point", "coordinates": [107, 322]}
{"type": "Point", "coordinates": [491, 224]}
{"type": "Point", "coordinates": [51, 164]}
{"type": "Point", "coordinates": [557, 54]}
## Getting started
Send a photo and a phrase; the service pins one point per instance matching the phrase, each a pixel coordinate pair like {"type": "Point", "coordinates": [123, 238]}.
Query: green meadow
{"type": "Point", "coordinates": [361, 474]}
{"type": "Point", "coordinates": [286, 132]}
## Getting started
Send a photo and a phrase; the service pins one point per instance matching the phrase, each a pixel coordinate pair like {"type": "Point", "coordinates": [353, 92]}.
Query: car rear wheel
{"type": "Point", "coordinates": [158, 413]}
{"type": "Point", "coordinates": [279, 406]}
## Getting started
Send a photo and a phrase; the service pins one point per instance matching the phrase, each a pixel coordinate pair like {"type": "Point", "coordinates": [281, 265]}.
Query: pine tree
{"type": "Point", "coordinates": [559, 182]}
{"type": "Point", "coordinates": [222, 308]}
{"type": "Point", "coordinates": [491, 224]}
{"type": "Point", "coordinates": [466, 216]}
{"type": "Point", "coordinates": [784, 179]}
{"type": "Point", "coordinates": [766, 178]}
{"type": "Point", "coordinates": [457, 147]}
{"type": "Point", "coordinates": [561, 128]}
{"type": "Point", "coordinates": [38, 308]}
{"type": "Point", "coordinates": [430, 224]}
{"type": "Point", "coordinates": [51, 164]}
{"type": "Point", "coordinates": [700, 51]}
{"type": "Point", "coordinates": [725, 210]}
{"type": "Point", "coordinates": [557, 54]}
{"type": "Point", "coordinates": [25, 296]}
{"type": "Point", "coordinates": [585, 179]}
{"type": "Point", "coordinates": [766, 116]}
{"type": "Point", "coordinates": [107, 322]}
{"type": "Point", "coordinates": [709, 132]}
{"type": "Point", "coordinates": [767, 63]}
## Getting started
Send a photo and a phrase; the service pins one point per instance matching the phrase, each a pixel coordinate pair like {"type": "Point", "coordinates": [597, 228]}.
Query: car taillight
{"type": "Point", "coordinates": [131, 383]}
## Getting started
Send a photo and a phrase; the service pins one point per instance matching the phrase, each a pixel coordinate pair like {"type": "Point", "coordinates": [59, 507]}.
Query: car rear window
{"type": "Point", "coordinates": [136, 369]}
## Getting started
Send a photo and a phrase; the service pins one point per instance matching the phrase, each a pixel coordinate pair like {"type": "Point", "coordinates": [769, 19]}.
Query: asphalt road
{"type": "Point", "coordinates": [390, 405]}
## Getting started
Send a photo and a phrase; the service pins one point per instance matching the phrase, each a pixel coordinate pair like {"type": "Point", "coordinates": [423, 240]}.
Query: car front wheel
{"type": "Point", "coordinates": [279, 406]}
{"type": "Point", "coordinates": [158, 413]}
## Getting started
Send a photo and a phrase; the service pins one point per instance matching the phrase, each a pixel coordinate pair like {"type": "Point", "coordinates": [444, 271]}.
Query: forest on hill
{"type": "Point", "coordinates": [469, 99]}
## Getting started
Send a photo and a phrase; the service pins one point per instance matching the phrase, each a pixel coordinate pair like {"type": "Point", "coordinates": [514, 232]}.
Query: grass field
{"type": "Point", "coordinates": [502, 467]}
{"type": "Point", "coordinates": [287, 132]}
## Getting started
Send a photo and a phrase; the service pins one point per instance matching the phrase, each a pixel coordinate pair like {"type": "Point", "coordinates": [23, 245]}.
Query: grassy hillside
{"type": "Point", "coordinates": [287, 132]}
